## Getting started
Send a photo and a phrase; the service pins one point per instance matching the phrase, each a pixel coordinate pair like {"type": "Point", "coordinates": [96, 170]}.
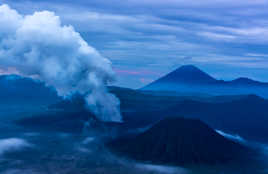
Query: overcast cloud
{"type": "Point", "coordinates": [159, 36]}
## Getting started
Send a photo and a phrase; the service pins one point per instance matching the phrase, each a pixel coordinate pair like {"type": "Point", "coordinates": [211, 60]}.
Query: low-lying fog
{"type": "Point", "coordinates": [23, 151]}
{"type": "Point", "coordinates": [35, 153]}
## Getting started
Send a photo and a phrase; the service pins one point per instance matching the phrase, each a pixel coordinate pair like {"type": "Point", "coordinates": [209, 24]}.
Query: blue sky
{"type": "Point", "coordinates": [146, 39]}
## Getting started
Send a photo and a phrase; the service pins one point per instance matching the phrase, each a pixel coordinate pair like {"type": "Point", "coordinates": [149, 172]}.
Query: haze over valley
{"type": "Point", "coordinates": [128, 87]}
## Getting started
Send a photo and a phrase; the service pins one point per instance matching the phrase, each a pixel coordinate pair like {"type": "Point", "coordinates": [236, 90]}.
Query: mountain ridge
{"type": "Point", "coordinates": [179, 141]}
{"type": "Point", "coordinates": [191, 79]}
{"type": "Point", "coordinates": [190, 71]}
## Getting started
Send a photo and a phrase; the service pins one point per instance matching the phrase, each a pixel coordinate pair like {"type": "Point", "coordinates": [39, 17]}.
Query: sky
{"type": "Point", "coordinates": [145, 39]}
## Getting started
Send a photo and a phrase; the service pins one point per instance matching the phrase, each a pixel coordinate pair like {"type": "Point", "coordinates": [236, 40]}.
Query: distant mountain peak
{"type": "Point", "coordinates": [190, 79]}
{"type": "Point", "coordinates": [245, 80]}
{"type": "Point", "coordinates": [186, 74]}
{"type": "Point", "coordinates": [192, 73]}
{"type": "Point", "coordinates": [188, 68]}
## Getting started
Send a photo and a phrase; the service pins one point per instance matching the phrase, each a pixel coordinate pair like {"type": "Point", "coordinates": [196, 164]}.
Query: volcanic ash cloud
{"type": "Point", "coordinates": [39, 46]}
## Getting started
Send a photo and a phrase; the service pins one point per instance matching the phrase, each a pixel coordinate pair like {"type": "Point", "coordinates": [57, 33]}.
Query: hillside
{"type": "Point", "coordinates": [179, 141]}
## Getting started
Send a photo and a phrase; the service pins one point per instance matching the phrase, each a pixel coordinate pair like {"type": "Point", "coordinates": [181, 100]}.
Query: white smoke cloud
{"type": "Point", "coordinates": [231, 136]}
{"type": "Point", "coordinates": [39, 46]}
{"type": "Point", "coordinates": [12, 144]}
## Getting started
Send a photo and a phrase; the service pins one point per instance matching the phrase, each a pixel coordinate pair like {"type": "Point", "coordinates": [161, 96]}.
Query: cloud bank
{"type": "Point", "coordinates": [12, 144]}
{"type": "Point", "coordinates": [39, 46]}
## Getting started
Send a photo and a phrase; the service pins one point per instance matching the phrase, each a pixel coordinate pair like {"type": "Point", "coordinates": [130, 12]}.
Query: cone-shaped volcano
{"type": "Point", "coordinates": [179, 141]}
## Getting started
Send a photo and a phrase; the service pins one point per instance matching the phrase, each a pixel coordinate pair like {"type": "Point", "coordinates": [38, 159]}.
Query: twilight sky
{"type": "Point", "coordinates": [146, 39]}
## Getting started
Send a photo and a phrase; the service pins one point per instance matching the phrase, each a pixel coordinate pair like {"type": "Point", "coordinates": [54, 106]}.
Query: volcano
{"type": "Point", "coordinates": [179, 141]}
{"type": "Point", "coordinates": [190, 79]}
{"type": "Point", "coordinates": [185, 74]}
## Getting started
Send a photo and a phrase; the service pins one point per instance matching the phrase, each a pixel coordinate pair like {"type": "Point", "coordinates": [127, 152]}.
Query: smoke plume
{"type": "Point", "coordinates": [39, 46]}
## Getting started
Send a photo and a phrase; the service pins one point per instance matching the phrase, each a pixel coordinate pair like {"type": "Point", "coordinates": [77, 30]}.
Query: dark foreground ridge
{"type": "Point", "coordinates": [179, 141]}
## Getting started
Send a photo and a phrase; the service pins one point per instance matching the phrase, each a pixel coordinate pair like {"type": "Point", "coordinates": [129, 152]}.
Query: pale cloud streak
{"type": "Point", "coordinates": [156, 34]}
